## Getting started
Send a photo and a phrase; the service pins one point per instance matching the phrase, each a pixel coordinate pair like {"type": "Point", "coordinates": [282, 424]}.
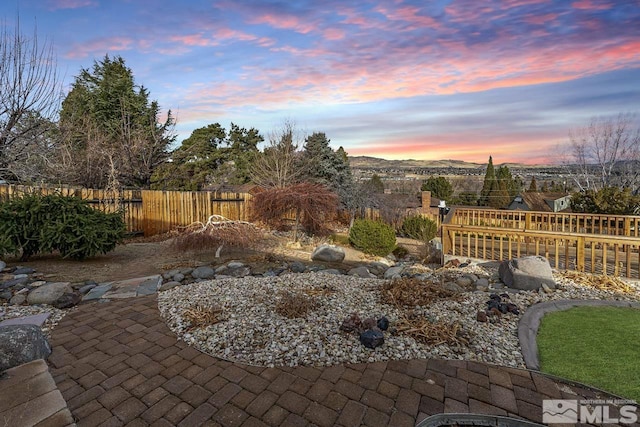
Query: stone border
{"type": "Point", "coordinates": [530, 322]}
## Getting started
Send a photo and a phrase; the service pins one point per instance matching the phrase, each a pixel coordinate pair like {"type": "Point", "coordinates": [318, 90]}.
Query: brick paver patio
{"type": "Point", "coordinates": [117, 363]}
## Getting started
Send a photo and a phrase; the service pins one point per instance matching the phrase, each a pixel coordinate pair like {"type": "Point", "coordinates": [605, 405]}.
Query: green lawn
{"type": "Point", "coordinates": [598, 346]}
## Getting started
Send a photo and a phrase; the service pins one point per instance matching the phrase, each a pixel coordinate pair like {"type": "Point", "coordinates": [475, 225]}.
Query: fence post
{"type": "Point", "coordinates": [580, 251]}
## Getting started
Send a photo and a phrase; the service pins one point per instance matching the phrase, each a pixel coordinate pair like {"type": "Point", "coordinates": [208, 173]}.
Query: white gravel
{"type": "Point", "coordinates": [55, 315]}
{"type": "Point", "coordinates": [252, 332]}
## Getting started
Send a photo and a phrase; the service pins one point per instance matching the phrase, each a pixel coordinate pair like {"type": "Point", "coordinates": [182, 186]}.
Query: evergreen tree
{"type": "Point", "coordinates": [110, 127]}
{"type": "Point", "coordinates": [324, 166]}
{"type": "Point", "coordinates": [511, 185]}
{"type": "Point", "coordinates": [375, 184]}
{"type": "Point", "coordinates": [209, 155]}
{"type": "Point", "coordinates": [488, 185]}
{"type": "Point", "coordinates": [533, 186]}
{"type": "Point", "coordinates": [439, 187]}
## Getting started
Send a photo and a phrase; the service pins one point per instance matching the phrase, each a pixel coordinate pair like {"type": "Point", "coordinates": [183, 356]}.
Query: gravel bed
{"type": "Point", "coordinates": [251, 331]}
{"type": "Point", "coordinates": [55, 315]}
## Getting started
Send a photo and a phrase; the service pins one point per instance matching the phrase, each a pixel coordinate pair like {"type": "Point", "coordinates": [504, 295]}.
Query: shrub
{"type": "Point", "coordinates": [419, 228]}
{"type": "Point", "coordinates": [372, 237]}
{"type": "Point", "coordinates": [34, 224]}
{"type": "Point", "coordinates": [400, 252]}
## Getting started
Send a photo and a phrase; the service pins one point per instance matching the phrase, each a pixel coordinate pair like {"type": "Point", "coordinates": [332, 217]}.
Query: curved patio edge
{"type": "Point", "coordinates": [530, 322]}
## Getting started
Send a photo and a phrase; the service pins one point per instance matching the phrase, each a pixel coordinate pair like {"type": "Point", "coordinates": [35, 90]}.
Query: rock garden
{"type": "Point", "coordinates": [321, 309]}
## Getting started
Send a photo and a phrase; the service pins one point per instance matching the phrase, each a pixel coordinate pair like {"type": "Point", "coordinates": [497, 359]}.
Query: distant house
{"type": "Point", "coordinates": [541, 202]}
{"type": "Point", "coordinates": [429, 204]}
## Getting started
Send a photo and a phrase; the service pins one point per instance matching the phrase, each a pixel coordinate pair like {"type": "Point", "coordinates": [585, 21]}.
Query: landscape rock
{"type": "Point", "coordinates": [2, 265]}
{"type": "Point", "coordinates": [86, 288]}
{"type": "Point", "coordinates": [6, 295]}
{"type": "Point", "coordinates": [14, 282]}
{"type": "Point", "coordinates": [328, 253]}
{"type": "Point", "coordinates": [526, 273]}
{"type": "Point", "coordinates": [383, 323]}
{"type": "Point", "coordinates": [393, 272]}
{"type": "Point", "coordinates": [203, 272]}
{"type": "Point", "coordinates": [178, 277]}
{"type": "Point", "coordinates": [18, 299]}
{"type": "Point", "coordinates": [361, 271]}
{"type": "Point", "coordinates": [169, 285]}
{"type": "Point", "coordinates": [372, 338]}
{"type": "Point", "coordinates": [464, 281]}
{"type": "Point", "coordinates": [235, 264]}
{"type": "Point", "coordinates": [331, 271]}
{"type": "Point", "coordinates": [21, 344]}
{"type": "Point", "coordinates": [67, 300]}
{"type": "Point", "coordinates": [47, 294]}
{"type": "Point", "coordinates": [453, 287]}
{"type": "Point", "coordinates": [351, 323]}
{"type": "Point", "coordinates": [23, 270]}
{"type": "Point", "coordinates": [238, 271]}
{"type": "Point", "coordinates": [297, 267]}
{"type": "Point", "coordinates": [377, 268]}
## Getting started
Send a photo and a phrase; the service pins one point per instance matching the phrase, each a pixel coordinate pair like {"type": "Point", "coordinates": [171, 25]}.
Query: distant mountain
{"type": "Point", "coordinates": [367, 162]}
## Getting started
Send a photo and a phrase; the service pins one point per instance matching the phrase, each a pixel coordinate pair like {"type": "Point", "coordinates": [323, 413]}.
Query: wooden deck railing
{"type": "Point", "coordinates": [603, 244]}
{"type": "Point", "coordinates": [617, 225]}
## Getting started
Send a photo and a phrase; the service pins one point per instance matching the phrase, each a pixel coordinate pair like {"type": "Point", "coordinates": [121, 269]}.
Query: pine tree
{"type": "Point", "coordinates": [327, 167]}
{"type": "Point", "coordinates": [489, 184]}
{"type": "Point", "coordinates": [533, 186]}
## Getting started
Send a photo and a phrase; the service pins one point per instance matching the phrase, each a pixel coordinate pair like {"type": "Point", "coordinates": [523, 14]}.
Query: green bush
{"type": "Point", "coordinates": [419, 228]}
{"type": "Point", "coordinates": [372, 237]}
{"type": "Point", "coordinates": [400, 252]}
{"type": "Point", "coordinates": [35, 224]}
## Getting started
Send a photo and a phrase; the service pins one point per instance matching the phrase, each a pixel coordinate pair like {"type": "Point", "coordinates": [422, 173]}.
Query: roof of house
{"type": "Point", "coordinates": [538, 201]}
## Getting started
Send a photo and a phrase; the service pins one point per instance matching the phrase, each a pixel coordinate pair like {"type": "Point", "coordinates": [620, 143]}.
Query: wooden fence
{"type": "Point", "coordinates": [602, 244]}
{"type": "Point", "coordinates": [151, 212]}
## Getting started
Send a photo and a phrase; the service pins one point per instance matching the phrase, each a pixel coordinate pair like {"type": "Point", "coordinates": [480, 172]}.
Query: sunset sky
{"type": "Point", "coordinates": [443, 79]}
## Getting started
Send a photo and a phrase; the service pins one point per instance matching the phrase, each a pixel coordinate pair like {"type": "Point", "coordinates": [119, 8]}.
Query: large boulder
{"type": "Point", "coordinates": [49, 293]}
{"type": "Point", "coordinates": [22, 344]}
{"type": "Point", "coordinates": [526, 273]}
{"type": "Point", "coordinates": [203, 272]}
{"type": "Point", "coordinates": [328, 253]}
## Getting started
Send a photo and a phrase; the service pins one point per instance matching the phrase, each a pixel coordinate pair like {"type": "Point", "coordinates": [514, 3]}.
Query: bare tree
{"type": "Point", "coordinates": [278, 166]}
{"type": "Point", "coordinates": [29, 87]}
{"type": "Point", "coordinates": [606, 153]}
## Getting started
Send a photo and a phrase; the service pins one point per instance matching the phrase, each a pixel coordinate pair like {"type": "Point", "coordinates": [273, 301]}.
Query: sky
{"type": "Point", "coordinates": [397, 79]}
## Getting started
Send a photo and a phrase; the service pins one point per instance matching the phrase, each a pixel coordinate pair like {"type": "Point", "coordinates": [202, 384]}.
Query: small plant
{"type": "Point", "coordinates": [34, 224]}
{"type": "Point", "coordinates": [419, 228]}
{"type": "Point", "coordinates": [201, 316]}
{"type": "Point", "coordinates": [294, 305]}
{"type": "Point", "coordinates": [409, 292]}
{"type": "Point", "coordinates": [372, 237]}
{"type": "Point", "coordinates": [215, 234]}
{"type": "Point", "coordinates": [340, 239]}
{"type": "Point", "coordinates": [400, 252]}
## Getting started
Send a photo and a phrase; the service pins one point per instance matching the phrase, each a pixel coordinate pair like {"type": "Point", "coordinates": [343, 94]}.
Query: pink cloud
{"type": "Point", "coordinates": [100, 47]}
{"type": "Point", "coordinates": [591, 5]}
{"type": "Point", "coordinates": [70, 4]}
{"type": "Point", "coordinates": [285, 22]}
{"type": "Point", "coordinates": [541, 19]}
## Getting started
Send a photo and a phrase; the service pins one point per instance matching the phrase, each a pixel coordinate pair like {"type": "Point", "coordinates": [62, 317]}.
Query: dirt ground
{"type": "Point", "coordinates": [143, 257]}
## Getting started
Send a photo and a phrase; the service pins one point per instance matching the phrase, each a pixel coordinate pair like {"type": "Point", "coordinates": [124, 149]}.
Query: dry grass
{"type": "Point", "coordinates": [432, 333]}
{"type": "Point", "coordinates": [294, 305]}
{"type": "Point", "coordinates": [601, 282]}
{"type": "Point", "coordinates": [215, 233]}
{"type": "Point", "coordinates": [405, 293]}
{"type": "Point", "coordinates": [201, 316]}
{"type": "Point", "coordinates": [413, 292]}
